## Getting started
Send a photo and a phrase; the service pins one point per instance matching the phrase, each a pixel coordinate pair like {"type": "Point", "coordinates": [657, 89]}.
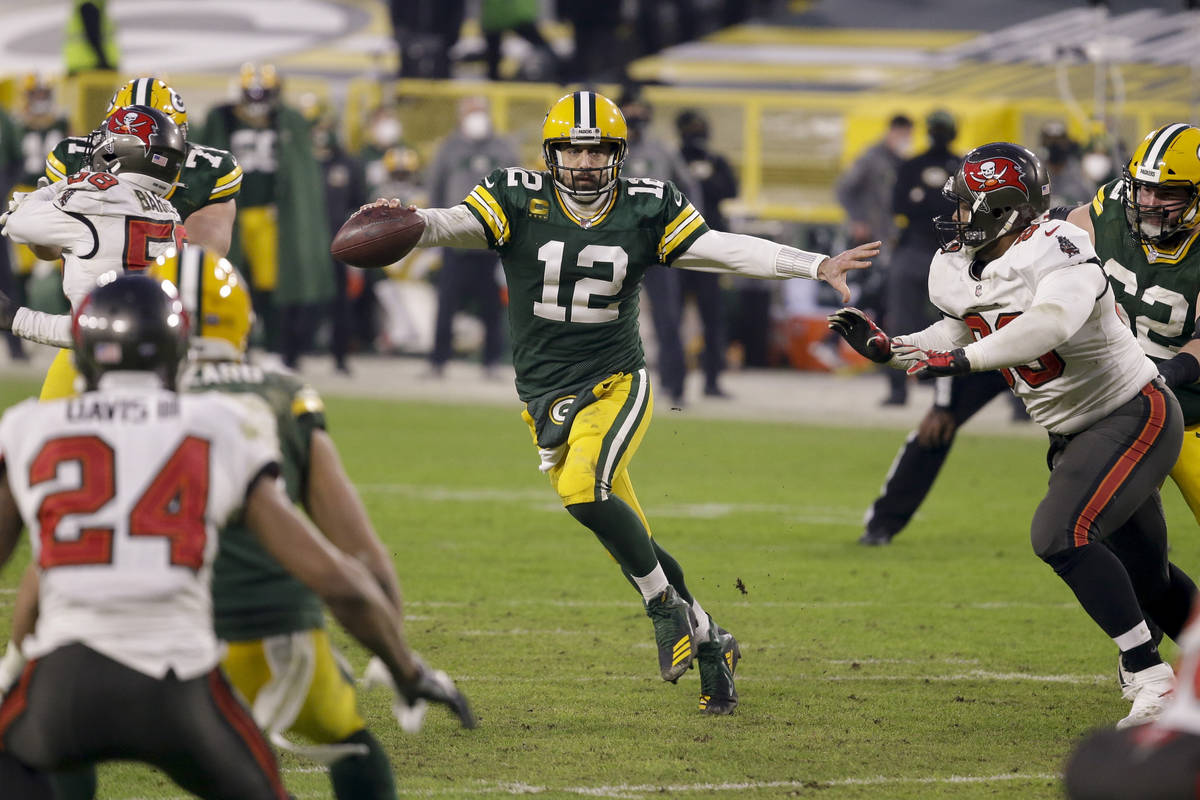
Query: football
{"type": "Point", "coordinates": [377, 236]}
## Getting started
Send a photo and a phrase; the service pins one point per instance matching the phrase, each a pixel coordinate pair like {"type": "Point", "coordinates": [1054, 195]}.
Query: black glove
{"type": "Point", "coordinates": [938, 363]}
{"type": "Point", "coordinates": [8, 310]}
{"type": "Point", "coordinates": [412, 699]}
{"type": "Point", "coordinates": [435, 686]}
{"type": "Point", "coordinates": [862, 334]}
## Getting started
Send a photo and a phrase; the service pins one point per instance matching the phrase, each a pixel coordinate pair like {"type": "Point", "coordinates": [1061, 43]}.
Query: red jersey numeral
{"type": "Point", "coordinates": [101, 180]}
{"type": "Point", "coordinates": [173, 505]}
{"type": "Point", "coordinates": [141, 233]}
{"type": "Point", "coordinates": [1048, 367]}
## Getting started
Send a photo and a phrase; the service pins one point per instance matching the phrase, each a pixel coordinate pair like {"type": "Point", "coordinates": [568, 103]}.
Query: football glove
{"type": "Point", "coordinates": [938, 363]}
{"type": "Point", "coordinates": [412, 700]}
{"type": "Point", "coordinates": [862, 334]}
{"type": "Point", "coordinates": [11, 667]}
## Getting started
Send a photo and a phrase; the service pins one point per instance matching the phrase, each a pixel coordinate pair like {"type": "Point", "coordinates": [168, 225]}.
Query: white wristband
{"type": "Point", "coordinates": [793, 263]}
{"type": "Point", "coordinates": [43, 328]}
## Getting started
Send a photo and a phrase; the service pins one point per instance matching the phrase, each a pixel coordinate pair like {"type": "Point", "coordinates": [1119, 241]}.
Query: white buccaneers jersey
{"type": "Point", "coordinates": [1080, 381]}
{"type": "Point", "coordinates": [1182, 712]}
{"type": "Point", "coordinates": [123, 491]}
{"type": "Point", "coordinates": [101, 222]}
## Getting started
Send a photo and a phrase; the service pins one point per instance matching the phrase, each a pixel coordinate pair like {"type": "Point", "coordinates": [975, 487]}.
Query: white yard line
{"type": "Point", "coordinates": [633, 791]}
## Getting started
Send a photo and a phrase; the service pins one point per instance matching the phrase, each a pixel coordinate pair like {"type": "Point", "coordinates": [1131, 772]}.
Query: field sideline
{"type": "Point", "coordinates": [952, 664]}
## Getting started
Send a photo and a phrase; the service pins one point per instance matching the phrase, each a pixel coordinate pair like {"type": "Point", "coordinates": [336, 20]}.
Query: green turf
{"type": "Point", "coordinates": [951, 664]}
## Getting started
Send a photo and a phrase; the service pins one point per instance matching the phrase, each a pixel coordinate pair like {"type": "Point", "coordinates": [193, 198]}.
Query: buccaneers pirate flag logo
{"type": "Point", "coordinates": [995, 173]}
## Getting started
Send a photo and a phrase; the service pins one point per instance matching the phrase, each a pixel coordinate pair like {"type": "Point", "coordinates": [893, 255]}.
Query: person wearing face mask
{"type": "Point", "coordinates": [717, 182]}
{"type": "Point", "coordinates": [467, 276]}
{"type": "Point", "coordinates": [916, 200]}
{"type": "Point", "coordinates": [1069, 185]}
{"type": "Point", "coordinates": [281, 233]}
{"type": "Point", "coordinates": [650, 157]}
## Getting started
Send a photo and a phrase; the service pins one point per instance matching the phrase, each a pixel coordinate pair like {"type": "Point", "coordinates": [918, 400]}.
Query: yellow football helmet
{"type": "Point", "coordinates": [39, 97]}
{"type": "Point", "coordinates": [215, 297]}
{"type": "Point", "coordinates": [154, 93]}
{"type": "Point", "coordinates": [1162, 184]}
{"type": "Point", "coordinates": [584, 118]}
{"type": "Point", "coordinates": [260, 87]}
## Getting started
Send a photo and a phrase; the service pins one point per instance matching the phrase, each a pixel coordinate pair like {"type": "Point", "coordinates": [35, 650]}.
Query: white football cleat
{"type": "Point", "coordinates": [1150, 689]}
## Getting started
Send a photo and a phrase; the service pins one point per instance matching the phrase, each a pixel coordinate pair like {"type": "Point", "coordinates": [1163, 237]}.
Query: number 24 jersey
{"type": "Point", "coordinates": [573, 284]}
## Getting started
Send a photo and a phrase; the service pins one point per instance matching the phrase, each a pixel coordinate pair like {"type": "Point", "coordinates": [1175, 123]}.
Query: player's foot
{"type": "Point", "coordinates": [1149, 690]}
{"type": "Point", "coordinates": [673, 633]}
{"type": "Point", "coordinates": [718, 658]}
{"type": "Point", "coordinates": [875, 538]}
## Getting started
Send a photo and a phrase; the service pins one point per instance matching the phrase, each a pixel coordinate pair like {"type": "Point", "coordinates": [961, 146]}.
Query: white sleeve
{"type": "Point", "coordinates": [1062, 302]}
{"type": "Point", "coordinates": [945, 334]}
{"type": "Point", "coordinates": [38, 221]}
{"type": "Point", "coordinates": [43, 328]}
{"type": "Point", "coordinates": [452, 227]}
{"type": "Point", "coordinates": [718, 251]}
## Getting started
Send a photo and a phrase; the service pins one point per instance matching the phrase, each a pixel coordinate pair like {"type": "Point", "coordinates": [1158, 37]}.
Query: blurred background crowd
{"type": "Point", "coordinates": [766, 114]}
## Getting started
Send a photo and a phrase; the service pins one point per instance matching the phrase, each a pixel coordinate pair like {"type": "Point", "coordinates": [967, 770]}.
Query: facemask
{"type": "Point", "coordinates": [476, 125]}
{"type": "Point", "coordinates": [386, 132]}
{"type": "Point", "coordinates": [1097, 167]}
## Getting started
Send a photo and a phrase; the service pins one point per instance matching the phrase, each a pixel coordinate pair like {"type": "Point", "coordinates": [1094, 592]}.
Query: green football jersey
{"type": "Point", "coordinates": [573, 285]}
{"type": "Point", "coordinates": [1157, 289]}
{"type": "Point", "coordinates": [253, 595]}
{"type": "Point", "coordinates": [208, 175]}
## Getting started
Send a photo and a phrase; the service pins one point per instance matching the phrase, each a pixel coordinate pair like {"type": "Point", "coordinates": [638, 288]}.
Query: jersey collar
{"type": "Point", "coordinates": [1157, 256]}
{"type": "Point", "coordinates": [590, 222]}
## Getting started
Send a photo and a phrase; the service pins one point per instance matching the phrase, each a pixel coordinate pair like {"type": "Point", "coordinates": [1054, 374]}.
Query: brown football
{"type": "Point", "coordinates": [378, 236]}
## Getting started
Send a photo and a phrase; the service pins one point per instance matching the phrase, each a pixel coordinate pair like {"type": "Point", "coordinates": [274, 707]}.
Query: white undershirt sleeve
{"type": "Point", "coordinates": [945, 334]}
{"type": "Point", "coordinates": [718, 251]}
{"type": "Point", "coordinates": [43, 328]}
{"type": "Point", "coordinates": [38, 221]}
{"type": "Point", "coordinates": [452, 227]}
{"type": "Point", "coordinates": [1062, 302]}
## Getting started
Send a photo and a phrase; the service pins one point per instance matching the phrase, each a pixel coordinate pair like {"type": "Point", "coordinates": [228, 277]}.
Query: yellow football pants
{"type": "Point", "coordinates": [60, 377]}
{"type": "Point", "coordinates": [603, 438]}
{"type": "Point", "coordinates": [328, 714]}
{"type": "Point", "coordinates": [259, 238]}
{"type": "Point", "coordinates": [1186, 472]}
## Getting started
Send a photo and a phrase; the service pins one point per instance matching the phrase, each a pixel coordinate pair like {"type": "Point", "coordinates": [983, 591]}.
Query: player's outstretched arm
{"type": "Point", "coordinates": [833, 270]}
{"type": "Point", "coordinates": [338, 511]}
{"type": "Point", "coordinates": [350, 592]}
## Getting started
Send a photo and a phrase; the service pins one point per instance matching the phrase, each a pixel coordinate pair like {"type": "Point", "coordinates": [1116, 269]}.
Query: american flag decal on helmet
{"type": "Point", "coordinates": [159, 159]}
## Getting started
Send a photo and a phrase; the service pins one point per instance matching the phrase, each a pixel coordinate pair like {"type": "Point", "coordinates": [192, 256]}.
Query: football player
{"type": "Point", "coordinates": [112, 218]}
{"type": "Point", "coordinates": [209, 179]}
{"type": "Point", "coordinates": [281, 215]}
{"type": "Point", "coordinates": [1159, 760]}
{"type": "Point", "coordinates": [43, 126]}
{"type": "Point", "coordinates": [1025, 294]}
{"type": "Point", "coordinates": [123, 489]}
{"type": "Point", "coordinates": [575, 242]}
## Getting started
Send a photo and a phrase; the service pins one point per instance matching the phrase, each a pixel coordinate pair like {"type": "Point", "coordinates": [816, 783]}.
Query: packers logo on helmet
{"type": "Point", "coordinates": [215, 297]}
{"type": "Point", "coordinates": [584, 118]}
{"type": "Point", "coordinates": [1162, 185]}
{"type": "Point", "coordinates": [153, 93]}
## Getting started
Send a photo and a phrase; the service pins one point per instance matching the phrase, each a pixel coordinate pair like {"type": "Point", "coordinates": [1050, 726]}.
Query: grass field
{"type": "Point", "coordinates": [951, 664]}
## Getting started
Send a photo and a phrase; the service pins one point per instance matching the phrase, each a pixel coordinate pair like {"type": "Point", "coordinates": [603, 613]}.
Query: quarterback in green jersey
{"type": "Point", "coordinates": [575, 242]}
{"type": "Point", "coordinates": [209, 180]}
{"type": "Point", "coordinates": [1145, 227]}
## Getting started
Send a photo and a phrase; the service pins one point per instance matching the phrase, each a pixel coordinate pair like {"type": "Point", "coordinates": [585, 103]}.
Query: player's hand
{"type": "Point", "coordinates": [936, 429]}
{"type": "Point", "coordinates": [833, 269]}
{"type": "Point", "coordinates": [390, 202]}
{"type": "Point", "coordinates": [11, 667]}
{"type": "Point", "coordinates": [862, 334]}
{"type": "Point", "coordinates": [938, 363]}
{"type": "Point", "coordinates": [8, 310]}
{"type": "Point", "coordinates": [43, 182]}
{"type": "Point", "coordinates": [413, 698]}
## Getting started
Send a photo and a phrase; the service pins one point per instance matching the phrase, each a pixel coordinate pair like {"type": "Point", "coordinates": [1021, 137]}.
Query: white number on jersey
{"type": "Point", "coordinates": [551, 255]}
{"type": "Point", "coordinates": [254, 149]}
{"type": "Point", "coordinates": [646, 186]}
{"type": "Point", "coordinates": [197, 152]}
{"type": "Point", "coordinates": [530, 180]}
{"type": "Point", "coordinates": [1152, 296]}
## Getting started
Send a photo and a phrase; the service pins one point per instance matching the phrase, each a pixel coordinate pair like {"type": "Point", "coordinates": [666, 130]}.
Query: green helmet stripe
{"type": "Point", "coordinates": [1160, 144]}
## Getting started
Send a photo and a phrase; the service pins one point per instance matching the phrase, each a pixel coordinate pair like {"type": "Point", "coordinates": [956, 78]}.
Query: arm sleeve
{"type": "Point", "coordinates": [1063, 301]}
{"type": "Point", "coordinates": [452, 227]}
{"type": "Point", "coordinates": [43, 328]}
{"type": "Point", "coordinates": [945, 334]}
{"type": "Point", "coordinates": [718, 251]}
{"type": "Point", "coordinates": [38, 221]}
